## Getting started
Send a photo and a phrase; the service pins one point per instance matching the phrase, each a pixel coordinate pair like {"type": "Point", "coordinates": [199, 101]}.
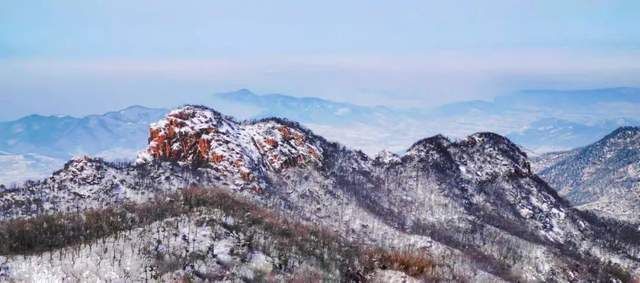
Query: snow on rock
{"type": "Point", "coordinates": [200, 136]}
{"type": "Point", "coordinates": [490, 155]}
{"type": "Point", "coordinates": [386, 157]}
{"type": "Point", "coordinates": [492, 169]}
{"type": "Point", "coordinates": [165, 251]}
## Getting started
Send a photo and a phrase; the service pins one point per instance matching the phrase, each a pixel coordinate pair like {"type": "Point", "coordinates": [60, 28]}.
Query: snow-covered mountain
{"type": "Point", "coordinates": [36, 145]}
{"type": "Point", "coordinates": [603, 177]}
{"type": "Point", "coordinates": [65, 136]}
{"type": "Point", "coordinates": [474, 205]}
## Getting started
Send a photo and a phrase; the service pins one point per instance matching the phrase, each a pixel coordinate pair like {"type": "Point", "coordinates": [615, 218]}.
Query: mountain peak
{"type": "Point", "coordinates": [621, 137]}
{"type": "Point", "coordinates": [193, 110]}
{"type": "Point", "coordinates": [82, 170]}
{"type": "Point", "coordinates": [244, 91]}
{"type": "Point", "coordinates": [626, 131]}
{"type": "Point", "coordinates": [83, 162]}
{"type": "Point", "coordinates": [503, 155]}
{"type": "Point", "coordinates": [184, 133]}
{"type": "Point", "coordinates": [487, 154]}
{"type": "Point", "coordinates": [437, 140]}
{"type": "Point", "coordinates": [135, 107]}
{"type": "Point", "coordinates": [241, 94]}
{"type": "Point", "coordinates": [494, 140]}
{"type": "Point", "coordinates": [202, 137]}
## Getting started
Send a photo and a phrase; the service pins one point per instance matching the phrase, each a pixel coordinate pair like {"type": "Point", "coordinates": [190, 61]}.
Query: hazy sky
{"type": "Point", "coordinates": [78, 57]}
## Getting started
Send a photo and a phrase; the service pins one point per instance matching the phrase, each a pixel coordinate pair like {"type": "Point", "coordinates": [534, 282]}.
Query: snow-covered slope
{"type": "Point", "coordinates": [603, 177]}
{"type": "Point", "coordinates": [475, 202]}
{"type": "Point", "coordinates": [64, 137]}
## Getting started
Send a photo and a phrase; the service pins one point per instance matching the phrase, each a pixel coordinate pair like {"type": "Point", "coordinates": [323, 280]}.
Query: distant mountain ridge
{"type": "Point", "coordinates": [551, 134]}
{"type": "Point", "coordinates": [540, 120]}
{"type": "Point", "coordinates": [65, 136]}
{"type": "Point", "coordinates": [35, 145]}
{"type": "Point", "coordinates": [370, 129]}
{"type": "Point", "coordinates": [526, 117]}
{"type": "Point", "coordinates": [552, 100]}
{"type": "Point", "coordinates": [301, 109]}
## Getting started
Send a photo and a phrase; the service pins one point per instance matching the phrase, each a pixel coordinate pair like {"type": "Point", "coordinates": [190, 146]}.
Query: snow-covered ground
{"type": "Point", "coordinates": [167, 251]}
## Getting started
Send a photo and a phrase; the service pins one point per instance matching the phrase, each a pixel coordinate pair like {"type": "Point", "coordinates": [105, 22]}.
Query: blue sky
{"type": "Point", "coordinates": [79, 57]}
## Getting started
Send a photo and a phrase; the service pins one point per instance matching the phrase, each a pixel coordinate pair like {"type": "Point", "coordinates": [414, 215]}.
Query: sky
{"type": "Point", "coordinates": [88, 56]}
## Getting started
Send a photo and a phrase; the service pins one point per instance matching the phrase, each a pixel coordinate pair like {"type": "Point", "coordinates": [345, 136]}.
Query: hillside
{"type": "Point", "coordinates": [603, 177]}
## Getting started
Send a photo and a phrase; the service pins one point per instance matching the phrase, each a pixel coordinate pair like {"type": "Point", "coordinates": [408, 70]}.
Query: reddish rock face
{"type": "Point", "coordinates": [202, 137]}
{"type": "Point", "coordinates": [203, 147]}
{"type": "Point", "coordinates": [174, 140]}
{"type": "Point", "coordinates": [288, 135]}
{"type": "Point", "coordinates": [285, 147]}
{"type": "Point", "coordinates": [272, 142]}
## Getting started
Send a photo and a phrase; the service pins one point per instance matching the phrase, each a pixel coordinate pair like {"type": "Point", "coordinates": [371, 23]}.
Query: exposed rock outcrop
{"type": "Point", "coordinates": [202, 137]}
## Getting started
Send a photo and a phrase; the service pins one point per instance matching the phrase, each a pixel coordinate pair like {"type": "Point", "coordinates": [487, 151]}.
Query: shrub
{"type": "Point", "coordinates": [410, 262]}
{"type": "Point", "coordinates": [289, 238]}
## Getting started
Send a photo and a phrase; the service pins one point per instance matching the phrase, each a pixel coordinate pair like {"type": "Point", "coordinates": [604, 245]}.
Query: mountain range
{"type": "Point", "coordinates": [473, 209]}
{"type": "Point", "coordinates": [538, 121]}
{"type": "Point", "coordinates": [33, 146]}
{"type": "Point", "coordinates": [64, 136]}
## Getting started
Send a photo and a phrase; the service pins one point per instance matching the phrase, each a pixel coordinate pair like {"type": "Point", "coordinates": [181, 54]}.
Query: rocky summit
{"type": "Point", "coordinates": [201, 137]}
